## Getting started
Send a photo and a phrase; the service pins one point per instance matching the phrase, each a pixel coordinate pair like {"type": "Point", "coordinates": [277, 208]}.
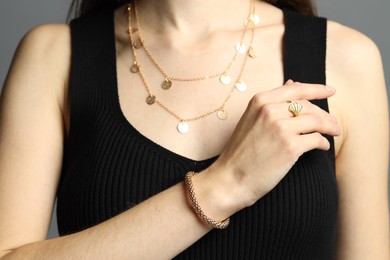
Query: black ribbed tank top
{"type": "Point", "coordinates": [109, 166]}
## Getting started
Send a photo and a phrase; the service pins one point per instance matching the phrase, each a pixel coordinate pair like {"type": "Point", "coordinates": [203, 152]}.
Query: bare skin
{"type": "Point", "coordinates": [34, 120]}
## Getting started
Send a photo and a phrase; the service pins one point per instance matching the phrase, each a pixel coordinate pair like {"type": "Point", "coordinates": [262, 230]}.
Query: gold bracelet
{"type": "Point", "coordinates": [212, 223]}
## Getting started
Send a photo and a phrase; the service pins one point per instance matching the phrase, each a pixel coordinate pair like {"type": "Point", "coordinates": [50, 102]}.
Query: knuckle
{"type": "Point", "coordinates": [318, 138]}
{"type": "Point", "coordinates": [299, 88]}
{"type": "Point", "coordinates": [279, 127]}
{"type": "Point", "coordinates": [307, 104]}
{"type": "Point", "coordinates": [268, 111]}
{"type": "Point", "coordinates": [322, 123]}
{"type": "Point", "coordinates": [286, 141]}
{"type": "Point", "coordinates": [321, 141]}
{"type": "Point", "coordinates": [291, 147]}
{"type": "Point", "coordinates": [257, 101]}
{"type": "Point", "coordinates": [318, 120]}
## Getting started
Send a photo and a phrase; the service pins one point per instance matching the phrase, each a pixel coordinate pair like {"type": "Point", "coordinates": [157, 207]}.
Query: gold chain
{"type": "Point", "coordinates": [151, 99]}
{"type": "Point", "coordinates": [142, 44]}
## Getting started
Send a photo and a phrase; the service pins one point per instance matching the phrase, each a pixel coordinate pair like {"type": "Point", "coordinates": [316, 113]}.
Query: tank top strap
{"type": "Point", "coordinates": [305, 47]}
{"type": "Point", "coordinates": [93, 71]}
{"type": "Point", "coordinates": [304, 55]}
{"type": "Point", "coordinates": [93, 52]}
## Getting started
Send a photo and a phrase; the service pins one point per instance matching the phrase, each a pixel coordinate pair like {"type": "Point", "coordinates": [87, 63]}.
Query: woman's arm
{"type": "Point", "coordinates": [31, 135]}
{"type": "Point", "coordinates": [354, 65]}
{"type": "Point", "coordinates": [31, 143]}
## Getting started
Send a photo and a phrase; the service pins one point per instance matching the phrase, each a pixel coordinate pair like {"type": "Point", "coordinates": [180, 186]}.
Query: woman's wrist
{"type": "Point", "coordinates": [217, 193]}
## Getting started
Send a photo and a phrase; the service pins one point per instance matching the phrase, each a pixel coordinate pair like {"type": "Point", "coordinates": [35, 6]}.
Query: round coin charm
{"type": "Point", "coordinates": [167, 84]}
{"type": "Point", "coordinates": [241, 86]}
{"type": "Point", "coordinates": [225, 79]}
{"type": "Point", "coordinates": [183, 127]}
{"type": "Point", "coordinates": [150, 100]}
{"type": "Point", "coordinates": [134, 68]}
{"type": "Point", "coordinates": [252, 52]}
{"type": "Point", "coordinates": [222, 114]}
{"type": "Point", "coordinates": [255, 19]}
{"type": "Point", "coordinates": [138, 43]}
{"type": "Point", "coordinates": [132, 30]}
{"type": "Point", "coordinates": [240, 48]}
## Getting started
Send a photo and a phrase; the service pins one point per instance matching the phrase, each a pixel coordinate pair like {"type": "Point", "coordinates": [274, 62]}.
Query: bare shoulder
{"type": "Point", "coordinates": [347, 35]}
{"type": "Point", "coordinates": [354, 68]}
{"type": "Point", "coordinates": [350, 51]}
{"type": "Point", "coordinates": [354, 65]}
{"type": "Point", "coordinates": [46, 41]}
{"type": "Point", "coordinates": [46, 35]}
{"type": "Point", "coordinates": [43, 54]}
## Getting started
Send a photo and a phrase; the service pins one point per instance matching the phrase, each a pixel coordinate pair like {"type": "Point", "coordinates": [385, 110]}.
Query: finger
{"type": "Point", "coordinates": [312, 141]}
{"type": "Point", "coordinates": [296, 91]}
{"type": "Point", "coordinates": [309, 123]}
{"type": "Point", "coordinates": [281, 110]}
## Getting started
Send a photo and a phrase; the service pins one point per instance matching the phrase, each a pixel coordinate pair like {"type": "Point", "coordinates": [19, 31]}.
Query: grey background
{"type": "Point", "coordinates": [18, 16]}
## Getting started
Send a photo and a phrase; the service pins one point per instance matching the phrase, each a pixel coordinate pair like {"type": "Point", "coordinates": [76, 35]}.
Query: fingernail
{"type": "Point", "coordinates": [330, 88]}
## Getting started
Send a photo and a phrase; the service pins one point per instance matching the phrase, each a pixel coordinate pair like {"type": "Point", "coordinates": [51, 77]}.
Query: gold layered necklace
{"type": "Point", "coordinates": [183, 126]}
{"type": "Point", "coordinates": [224, 76]}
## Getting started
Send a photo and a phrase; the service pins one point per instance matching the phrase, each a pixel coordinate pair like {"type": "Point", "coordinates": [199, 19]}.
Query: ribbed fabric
{"type": "Point", "coordinates": [109, 166]}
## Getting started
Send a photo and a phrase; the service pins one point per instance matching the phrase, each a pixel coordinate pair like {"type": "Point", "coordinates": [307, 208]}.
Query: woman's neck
{"type": "Point", "coordinates": [195, 19]}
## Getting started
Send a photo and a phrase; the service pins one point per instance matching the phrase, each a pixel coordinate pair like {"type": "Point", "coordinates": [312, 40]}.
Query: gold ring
{"type": "Point", "coordinates": [295, 108]}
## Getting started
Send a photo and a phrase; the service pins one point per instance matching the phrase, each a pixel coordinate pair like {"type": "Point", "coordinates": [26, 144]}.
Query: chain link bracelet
{"type": "Point", "coordinates": [190, 188]}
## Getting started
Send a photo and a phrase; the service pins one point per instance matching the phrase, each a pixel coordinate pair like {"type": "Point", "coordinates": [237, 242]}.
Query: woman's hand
{"type": "Point", "coordinates": [267, 142]}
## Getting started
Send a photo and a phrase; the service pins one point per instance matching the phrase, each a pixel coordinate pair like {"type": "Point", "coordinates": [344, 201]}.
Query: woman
{"type": "Point", "coordinates": [115, 111]}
